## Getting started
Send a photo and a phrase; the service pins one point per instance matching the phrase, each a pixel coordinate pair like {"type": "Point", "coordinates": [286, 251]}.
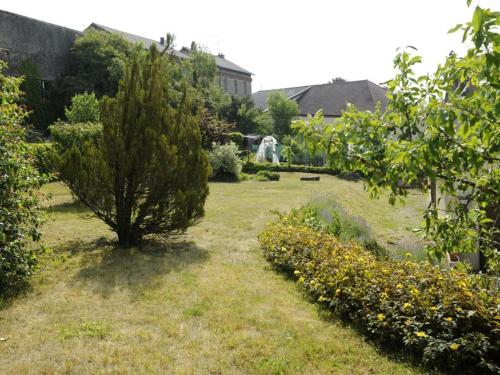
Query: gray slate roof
{"type": "Point", "coordinates": [132, 38]}
{"type": "Point", "coordinates": [221, 62]}
{"type": "Point", "coordinates": [331, 97]}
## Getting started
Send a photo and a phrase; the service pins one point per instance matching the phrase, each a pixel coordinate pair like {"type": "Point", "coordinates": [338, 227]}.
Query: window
{"type": "Point", "coordinates": [245, 88]}
{"type": "Point", "coordinates": [225, 83]}
{"type": "Point", "coordinates": [235, 86]}
{"type": "Point", "coordinates": [46, 86]}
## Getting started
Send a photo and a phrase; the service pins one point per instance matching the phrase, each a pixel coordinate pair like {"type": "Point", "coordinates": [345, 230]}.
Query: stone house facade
{"type": "Point", "coordinates": [48, 46]}
{"type": "Point", "coordinates": [235, 80]}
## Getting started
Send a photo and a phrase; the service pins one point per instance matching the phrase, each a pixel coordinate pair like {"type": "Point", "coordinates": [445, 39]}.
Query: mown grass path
{"type": "Point", "coordinates": [206, 303]}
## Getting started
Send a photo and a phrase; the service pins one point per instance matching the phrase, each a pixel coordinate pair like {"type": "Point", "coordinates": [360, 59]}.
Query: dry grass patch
{"type": "Point", "coordinates": [205, 303]}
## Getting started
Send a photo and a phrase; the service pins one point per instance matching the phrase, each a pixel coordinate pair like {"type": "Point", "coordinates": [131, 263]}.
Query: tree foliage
{"type": "Point", "coordinates": [32, 97]}
{"type": "Point", "coordinates": [438, 131]}
{"type": "Point", "coordinates": [214, 130]}
{"type": "Point", "coordinates": [97, 63]}
{"type": "Point", "coordinates": [242, 112]}
{"type": "Point", "coordinates": [337, 80]}
{"type": "Point", "coordinates": [19, 181]}
{"type": "Point", "coordinates": [282, 111]}
{"type": "Point", "coordinates": [84, 108]}
{"type": "Point", "coordinates": [148, 174]}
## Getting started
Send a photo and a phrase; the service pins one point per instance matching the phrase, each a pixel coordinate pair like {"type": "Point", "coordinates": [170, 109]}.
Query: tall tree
{"type": "Point", "coordinates": [242, 112]}
{"type": "Point", "coordinates": [282, 110]}
{"type": "Point", "coordinates": [148, 174]}
{"type": "Point", "coordinates": [440, 130]}
{"type": "Point", "coordinates": [97, 63]}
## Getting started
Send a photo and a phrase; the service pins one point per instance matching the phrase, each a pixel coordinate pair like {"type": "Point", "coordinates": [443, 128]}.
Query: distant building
{"type": "Point", "coordinates": [235, 80]}
{"type": "Point", "coordinates": [331, 97]}
{"type": "Point", "coordinates": [48, 46]}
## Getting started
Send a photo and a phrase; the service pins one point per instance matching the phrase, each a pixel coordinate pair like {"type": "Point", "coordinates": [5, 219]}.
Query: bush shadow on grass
{"type": "Point", "coordinates": [68, 207]}
{"type": "Point", "coordinates": [106, 267]}
{"type": "Point", "coordinates": [392, 352]}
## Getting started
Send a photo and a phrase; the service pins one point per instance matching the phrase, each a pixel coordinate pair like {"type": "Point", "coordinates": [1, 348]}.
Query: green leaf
{"type": "Point", "coordinates": [454, 29]}
{"type": "Point", "coordinates": [477, 19]}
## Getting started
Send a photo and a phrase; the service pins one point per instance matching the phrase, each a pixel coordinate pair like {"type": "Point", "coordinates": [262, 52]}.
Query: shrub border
{"type": "Point", "coordinates": [446, 318]}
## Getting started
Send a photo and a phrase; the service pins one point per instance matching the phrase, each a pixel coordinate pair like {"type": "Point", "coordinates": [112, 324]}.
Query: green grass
{"type": "Point", "coordinates": [204, 303]}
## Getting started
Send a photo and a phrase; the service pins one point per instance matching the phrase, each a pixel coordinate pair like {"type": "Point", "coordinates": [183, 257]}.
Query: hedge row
{"type": "Point", "coordinates": [449, 319]}
{"type": "Point", "coordinates": [267, 176]}
{"type": "Point", "coordinates": [251, 167]}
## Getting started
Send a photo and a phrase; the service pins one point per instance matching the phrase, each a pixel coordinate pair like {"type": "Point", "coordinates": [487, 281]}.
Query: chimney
{"type": "Point", "coordinates": [162, 41]}
{"type": "Point", "coordinates": [221, 55]}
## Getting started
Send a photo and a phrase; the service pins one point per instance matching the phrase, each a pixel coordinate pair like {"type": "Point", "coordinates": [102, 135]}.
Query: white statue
{"type": "Point", "coordinates": [267, 150]}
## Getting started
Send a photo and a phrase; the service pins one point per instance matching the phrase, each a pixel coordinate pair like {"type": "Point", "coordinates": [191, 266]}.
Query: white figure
{"type": "Point", "coordinates": [267, 149]}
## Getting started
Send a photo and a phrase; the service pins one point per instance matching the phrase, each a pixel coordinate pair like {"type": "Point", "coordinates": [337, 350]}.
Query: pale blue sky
{"type": "Point", "coordinates": [284, 43]}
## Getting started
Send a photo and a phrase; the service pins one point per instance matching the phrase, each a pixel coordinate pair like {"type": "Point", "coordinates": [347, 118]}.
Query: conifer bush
{"type": "Point", "coordinates": [148, 173]}
{"type": "Point", "coordinates": [449, 319]}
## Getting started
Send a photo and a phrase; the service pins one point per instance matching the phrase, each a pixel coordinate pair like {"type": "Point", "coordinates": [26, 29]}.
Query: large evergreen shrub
{"type": "Point", "coordinates": [148, 173]}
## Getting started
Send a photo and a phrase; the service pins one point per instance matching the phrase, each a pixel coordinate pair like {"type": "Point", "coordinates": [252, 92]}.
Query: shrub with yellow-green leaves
{"type": "Point", "coordinates": [448, 318]}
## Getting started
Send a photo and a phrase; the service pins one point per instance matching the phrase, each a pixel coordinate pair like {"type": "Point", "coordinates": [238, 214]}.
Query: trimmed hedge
{"type": "Point", "coordinates": [252, 167]}
{"type": "Point", "coordinates": [449, 319]}
{"type": "Point", "coordinates": [66, 135]}
{"type": "Point", "coordinates": [267, 176]}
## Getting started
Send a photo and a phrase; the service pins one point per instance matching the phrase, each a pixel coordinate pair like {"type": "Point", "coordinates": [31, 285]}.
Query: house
{"type": "Point", "coordinates": [331, 97]}
{"type": "Point", "coordinates": [48, 46]}
{"type": "Point", "coordinates": [235, 80]}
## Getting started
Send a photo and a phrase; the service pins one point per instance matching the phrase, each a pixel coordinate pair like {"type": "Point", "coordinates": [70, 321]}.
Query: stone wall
{"type": "Point", "coordinates": [47, 45]}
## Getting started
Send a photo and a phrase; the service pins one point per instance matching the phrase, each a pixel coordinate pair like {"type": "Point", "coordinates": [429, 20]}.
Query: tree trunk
{"type": "Point", "coordinates": [126, 235]}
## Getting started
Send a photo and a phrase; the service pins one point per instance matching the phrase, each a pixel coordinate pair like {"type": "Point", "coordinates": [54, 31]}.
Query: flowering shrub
{"type": "Point", "coordinates": [326, 215]}
{"type": "Point", "coordinates": [448, 318]}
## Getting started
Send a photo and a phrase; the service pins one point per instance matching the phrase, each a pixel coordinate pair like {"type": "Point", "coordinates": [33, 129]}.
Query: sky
{"type": "Point", "coordinates": [284, 43]}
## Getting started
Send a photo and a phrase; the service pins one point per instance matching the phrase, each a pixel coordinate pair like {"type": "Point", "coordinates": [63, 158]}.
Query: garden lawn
{"type": "Point", "coordinates": [205, 303]}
